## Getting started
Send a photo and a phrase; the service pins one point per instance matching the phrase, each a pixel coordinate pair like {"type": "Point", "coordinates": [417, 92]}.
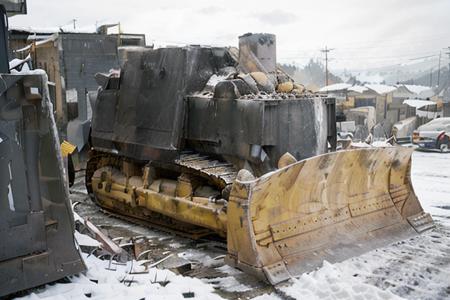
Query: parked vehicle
{"type": "Point", "coordinates": [433, 136]}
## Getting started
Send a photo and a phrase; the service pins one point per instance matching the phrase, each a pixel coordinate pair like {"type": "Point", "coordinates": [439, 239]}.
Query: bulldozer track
{"type": "Point", "coordinates": [164, 225]}
{"type": "Point", "coordinates": [220, 173]}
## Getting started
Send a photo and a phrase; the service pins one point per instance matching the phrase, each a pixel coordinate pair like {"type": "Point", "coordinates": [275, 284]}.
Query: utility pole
{"type": "Point", "coordinates": [431, 77]}
{"type": "Point", "coordinates": [74, 24]}
{"type": "Point", "coordinates": [326, 50]}
{"type": "Point", "coordinates": [439, 69]}
{"type": "Point", "coordinates": [448, 53]}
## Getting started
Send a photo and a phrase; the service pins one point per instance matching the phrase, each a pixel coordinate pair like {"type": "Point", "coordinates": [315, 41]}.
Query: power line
{"type": "Point", "coordinates": [410, 55]}
{"type": "Point", "coordinates": [394, 43]}
{"type": "Point", "coordinates": [358, 60]}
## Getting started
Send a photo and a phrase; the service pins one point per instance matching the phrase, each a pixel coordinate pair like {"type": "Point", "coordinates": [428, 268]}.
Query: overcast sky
{"type": "Point", "coordinates": [364, 33]}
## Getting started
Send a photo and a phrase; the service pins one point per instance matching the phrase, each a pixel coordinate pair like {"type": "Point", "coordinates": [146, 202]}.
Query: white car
{"type": "Point", "coordinates": [435, 135]}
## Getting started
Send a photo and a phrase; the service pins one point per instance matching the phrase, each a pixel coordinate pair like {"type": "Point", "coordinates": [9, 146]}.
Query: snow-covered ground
{"type": "Point", "coordinates": [102, 283]}
{"type": "Point", "coordinates": [431, 181]}
{"type": "Point", "coordinates": [418, 268]}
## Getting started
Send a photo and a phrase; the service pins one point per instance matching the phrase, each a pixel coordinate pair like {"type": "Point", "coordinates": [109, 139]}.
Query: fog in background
{"type": "Point", "coordinates": [364, 34]}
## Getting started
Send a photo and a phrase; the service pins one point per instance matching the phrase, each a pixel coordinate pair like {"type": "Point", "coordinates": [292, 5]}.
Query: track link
{"type": "Point", "coordinates": [222, 174]}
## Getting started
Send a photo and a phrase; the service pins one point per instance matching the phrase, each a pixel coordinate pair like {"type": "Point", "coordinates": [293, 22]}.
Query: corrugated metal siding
{"type": "Point", "coordinates": [83, 56]}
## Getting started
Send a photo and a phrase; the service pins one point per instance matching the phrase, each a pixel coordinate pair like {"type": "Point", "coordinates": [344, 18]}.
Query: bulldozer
{"type": "Point", "coordinates": [37, 244]}
{"type": "Point", "coordinates": [204, 140]}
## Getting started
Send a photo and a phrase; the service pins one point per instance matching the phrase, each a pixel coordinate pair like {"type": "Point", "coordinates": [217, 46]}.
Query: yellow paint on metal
{"type": "Point", "coordinates": [332, 207]}
{"type": "Point", "coordinates": [67, 148]}
{"type": "Point", "coordinates": [199, 212]}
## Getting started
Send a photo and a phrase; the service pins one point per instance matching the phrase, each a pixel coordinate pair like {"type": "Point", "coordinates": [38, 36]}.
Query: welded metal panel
{"type": "Point", "coordinates": [15, 7]}
{"type": "Point", "coordinates": [157, 112]}
{"type": "Point", "coordinates": [152, 91]}
{"type": "Point", "coordinates": [295, 126]}
{"type": "Point", "coordinates": [84, 55]}
{"type": "Point", "coordinates": [4, 61]}
{"type": "Point", "coordinates": [258, 53]}
{"type": "Point", "coordinates": [231, 127]}
{"type": "Point", "coordinates": [227, 126]}
{"type": "Point", "coordinates": [35, 212]}
{"type": "Point", "coordinates": [149, 113]}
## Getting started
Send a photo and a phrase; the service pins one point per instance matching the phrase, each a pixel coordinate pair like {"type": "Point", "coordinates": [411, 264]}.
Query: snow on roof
{"type": "Point", "coordinates": [381, 88]}
{"type": "Point", "coordinates": [50, 30]}
{"type": "Point", "coordinates": [358, 88]}
{"type": "Point", "coordinates": [52, 38]}
{"type": "Point", "coordinates": [416, 89]}
{"type": "Point", "coordinates": [335, 87]}
{"type": "Point", "coordinates": [418, 103]}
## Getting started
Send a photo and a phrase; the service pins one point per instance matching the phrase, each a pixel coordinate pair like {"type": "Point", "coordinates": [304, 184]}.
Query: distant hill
{"type": "Point", "coordinates": [425, 79]}
{"type": "Point", "coordinates": [415, 71]}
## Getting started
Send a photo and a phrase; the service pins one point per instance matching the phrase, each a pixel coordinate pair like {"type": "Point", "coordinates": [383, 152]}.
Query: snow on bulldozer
{"type": "Point", "coordinates": [37, 243]}
{"type": "Point", "coordinates": [207, 140]}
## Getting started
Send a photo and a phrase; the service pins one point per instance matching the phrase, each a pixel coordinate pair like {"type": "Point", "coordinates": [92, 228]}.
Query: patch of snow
{"type": "Point", "coordinates": [418, 103]}
{"type": "Point", "coordinates": [14, 63]}
{"type": "Point", "coordinates": [332, 281]}
{"type": "Point", "coordinates": [78, 218]}
{"type": "Point", "coordinates": [431, 182]}
{"type": "Point", "coordinates": [85, 240]}
{"type": "Point", "coordinates": [229, 270]}
{"type": "Point", "coordinates": [361, 145]}
{"type": "Point", "coordinates": [229, 284]}
{"type": "Point", "coordinates": [10, 191]}
{"type": "Point", "coordinates": [381, 144]}
{"type": "Point", "coordinates": [335, 87]}
{"type": "Point", "coordinates": [134, 48]}
{"type": "Point", "coordinates": [375, 144]}
{"type": "Point", "coordinates": [49, 30]}
{"type": "Point", "coordinates": [272, 296]}
{"type": "Point", "coordinates": [175, 245]}
{"type": "Point", "coordinates": [28, 72]}
{"type": "Point", "coordinates": [199, 256]}
{"type": "Point", "coordinates": [358, 88]}
{"type": "Point", "coordinates": [214, 80]}
{"type": "Point", "coordinates": [427, 114]}
{"type": "Point", "coordinates": [416, 89]}
{"type": "Point", "coordinates": [381, 88]}
{"type": "Point", "coordinates": [52, 38]}
{"type": "Point", "coordinates": [100, 283]}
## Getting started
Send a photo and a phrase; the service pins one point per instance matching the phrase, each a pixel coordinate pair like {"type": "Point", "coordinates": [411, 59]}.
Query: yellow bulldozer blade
{"type": "Point", "coordinates": [329, 207]}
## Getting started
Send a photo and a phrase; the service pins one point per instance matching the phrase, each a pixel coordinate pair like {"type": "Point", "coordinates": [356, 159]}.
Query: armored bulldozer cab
{"type": "Point", "coordinates": [170, 100]}
{"type": "Point", "coordinates": [205, 140]}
